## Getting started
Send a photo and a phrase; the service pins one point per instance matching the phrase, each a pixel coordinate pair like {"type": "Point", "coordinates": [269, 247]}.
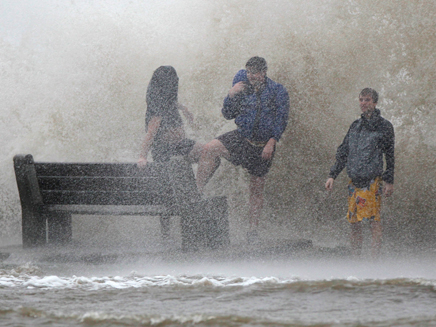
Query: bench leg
{"type": "Point", "coordinates": [33, 227]}
{"type": "Point", "coordinates": [165, 226]}
{"type": "Point", "coordinates": [218, 223]}
{"type": "Point", "coordinates": [205, 223]}
{"type": "Point", "coordinates": [190, 228]}
{"type": "Point", "coordinates": [59, 227]}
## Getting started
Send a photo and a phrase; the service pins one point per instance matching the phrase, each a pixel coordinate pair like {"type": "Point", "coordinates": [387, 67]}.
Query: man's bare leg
{"type": "Point", "coordinates": [209, 162]}
{"type": "Point", "coordinates": [376, 231]}
{"type": "Point", "coordinates": [257, 185]}
{"type": "Point", "coordinates": [356, 239]}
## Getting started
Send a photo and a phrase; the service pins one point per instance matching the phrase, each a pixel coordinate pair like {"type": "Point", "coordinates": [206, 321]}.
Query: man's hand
{"type": "Point", "coordinates": [329, 184]}
{"type": "Point", "coordinates": [142, 162]}
{"type": "Point", "coordinates": [268, 150]}
{"type": "Point", "coordinates": [388, 189]}
{"type": "Point", "coordinates": [237, 88]}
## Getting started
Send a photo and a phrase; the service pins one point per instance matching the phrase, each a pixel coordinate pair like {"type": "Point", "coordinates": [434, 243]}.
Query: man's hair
{"type": "Point", "coordinates": [369, 91]}
{"type": "Point", "coordinates": [257, 63]}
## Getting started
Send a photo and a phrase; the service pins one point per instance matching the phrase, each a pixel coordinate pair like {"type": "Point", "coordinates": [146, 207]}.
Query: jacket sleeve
{"type": "Point", "coordinates": [231, 107]}
{"type": "Point", "coordinates": [341, 157]}
{"type": "Point", "coordinates": [282, 113]}
{"type": "Point", "coordinates": [389, 151]}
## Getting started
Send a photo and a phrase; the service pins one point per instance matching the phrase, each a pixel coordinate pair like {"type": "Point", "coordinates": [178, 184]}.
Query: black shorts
{"type": "Point", "coordinates": [244, 153]}
{"type": "Point", "coordinates": [164, 151]}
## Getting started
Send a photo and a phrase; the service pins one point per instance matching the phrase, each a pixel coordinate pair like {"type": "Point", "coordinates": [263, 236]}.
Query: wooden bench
{"type": "Point", "coordinates": [51, 192]}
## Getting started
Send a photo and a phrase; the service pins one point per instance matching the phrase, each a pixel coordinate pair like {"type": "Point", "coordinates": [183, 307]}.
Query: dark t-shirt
{"type": "Point", "coordinates": [170, 119]}
{"type": "Point", "coordinates": [169, 114]}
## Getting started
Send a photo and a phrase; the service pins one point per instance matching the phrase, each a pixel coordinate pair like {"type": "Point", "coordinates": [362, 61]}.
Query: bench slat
{"type": "Point", "coordinates": [153, 169]}
{"type": "Point", "coordinates": [105, 198]}
{"type": "Point", "coordinates": [114, 184]}
{"type": "Point", "coordinates": [132, 210]}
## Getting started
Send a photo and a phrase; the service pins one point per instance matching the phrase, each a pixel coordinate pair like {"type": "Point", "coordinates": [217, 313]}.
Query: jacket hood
{"type": "Point", "coordinates": [241, 76]}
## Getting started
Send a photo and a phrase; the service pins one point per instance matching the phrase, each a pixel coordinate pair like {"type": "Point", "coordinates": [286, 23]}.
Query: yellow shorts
{"type": "Point", "coordinates": [364, 203]}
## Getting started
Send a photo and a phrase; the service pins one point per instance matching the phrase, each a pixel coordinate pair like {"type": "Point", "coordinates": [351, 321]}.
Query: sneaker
{"type": "Point", "coordinates": [253, 237]}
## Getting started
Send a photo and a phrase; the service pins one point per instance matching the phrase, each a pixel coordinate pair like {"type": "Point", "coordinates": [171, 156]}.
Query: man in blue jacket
{"type": "Point", "coordinates": [260, 108]}
{"type": "Point", "coordinates": [368, 139]}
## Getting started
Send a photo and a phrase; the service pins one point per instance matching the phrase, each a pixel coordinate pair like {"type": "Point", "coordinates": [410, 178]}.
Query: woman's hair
{"type": "Point", "coordinates": [163, 86]}
{"type": "Point", "coordinates": [162, 91]}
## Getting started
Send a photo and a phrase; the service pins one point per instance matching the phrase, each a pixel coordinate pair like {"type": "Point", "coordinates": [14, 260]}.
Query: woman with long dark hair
{"type": "Point", "coordinates": [165, 135]}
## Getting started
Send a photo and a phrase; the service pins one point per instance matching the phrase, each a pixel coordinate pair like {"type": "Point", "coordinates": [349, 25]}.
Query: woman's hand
{"type": "Point", "coordinates": [142, 162]}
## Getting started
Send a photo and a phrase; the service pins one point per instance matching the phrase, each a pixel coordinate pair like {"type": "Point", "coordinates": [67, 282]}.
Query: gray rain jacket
{"type": "Point", "coordinates": [363, 148]}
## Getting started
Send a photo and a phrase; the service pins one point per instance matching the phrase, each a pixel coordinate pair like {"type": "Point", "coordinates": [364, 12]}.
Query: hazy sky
{"type": "Point", "coordinates": [18, 16]}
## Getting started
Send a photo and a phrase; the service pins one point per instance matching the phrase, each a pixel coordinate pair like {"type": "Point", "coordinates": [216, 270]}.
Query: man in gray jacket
{"type": "Point", "coordinates": [368, 139]}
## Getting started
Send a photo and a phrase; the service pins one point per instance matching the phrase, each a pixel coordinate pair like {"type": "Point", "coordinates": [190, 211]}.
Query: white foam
{"type": "Point", "coordinates": [118, 282]}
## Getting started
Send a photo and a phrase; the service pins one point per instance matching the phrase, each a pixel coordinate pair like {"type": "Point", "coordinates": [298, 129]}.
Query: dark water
{"type": "Point", "coordinates": [205, 289]}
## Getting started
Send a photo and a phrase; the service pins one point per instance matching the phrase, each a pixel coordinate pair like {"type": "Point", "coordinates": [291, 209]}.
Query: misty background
{"type": "Point", "coordinates": [74, 75]}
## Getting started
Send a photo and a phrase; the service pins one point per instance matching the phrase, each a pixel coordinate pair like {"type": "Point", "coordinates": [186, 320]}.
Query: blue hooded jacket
{"type": "Point", "coordinates": [274, 110]}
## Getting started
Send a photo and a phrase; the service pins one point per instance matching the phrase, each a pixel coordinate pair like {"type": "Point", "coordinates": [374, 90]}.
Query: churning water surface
{"type": "Point", "coordinates": [188, 290]}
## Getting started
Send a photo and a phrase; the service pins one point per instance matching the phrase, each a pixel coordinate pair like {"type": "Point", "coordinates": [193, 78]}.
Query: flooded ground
{"type": "Point", "coordinates": [273, 283]}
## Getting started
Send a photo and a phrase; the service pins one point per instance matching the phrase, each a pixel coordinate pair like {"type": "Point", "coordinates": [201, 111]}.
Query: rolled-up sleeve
{"type": "Point", "coordinates": [282, 114]}
{"type": "Point", "coordinates": [389, 150]}
{"type": "Point", "coordinates": [231, 107]}
{"type": "Point", "coordinates": [341, 157]}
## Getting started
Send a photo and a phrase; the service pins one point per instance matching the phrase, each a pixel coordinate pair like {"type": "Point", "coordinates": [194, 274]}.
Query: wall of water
{"type": "Point", "coordinates": [74, 75]}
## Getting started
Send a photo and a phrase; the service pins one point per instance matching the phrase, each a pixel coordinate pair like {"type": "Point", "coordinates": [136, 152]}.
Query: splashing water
{"type": "Point", "coordinates": [74, 76]}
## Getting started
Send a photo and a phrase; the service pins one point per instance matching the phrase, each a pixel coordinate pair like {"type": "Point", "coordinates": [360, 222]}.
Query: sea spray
{"type": "Point", "coordinates": [74, 77]}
